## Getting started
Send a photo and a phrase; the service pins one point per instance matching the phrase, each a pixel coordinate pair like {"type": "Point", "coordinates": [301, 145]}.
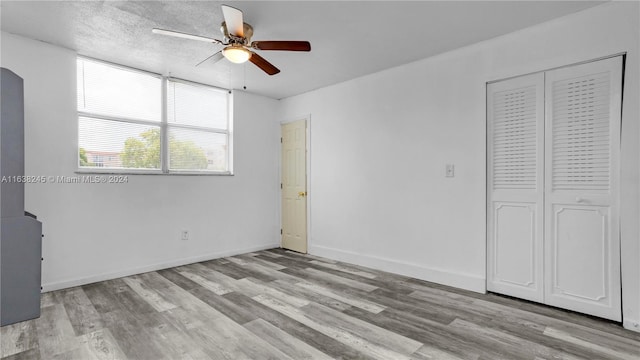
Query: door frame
{"type": "Point", "coordinates": [307, 118]}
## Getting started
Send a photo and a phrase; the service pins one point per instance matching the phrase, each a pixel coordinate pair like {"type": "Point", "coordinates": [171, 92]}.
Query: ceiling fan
{"type": "Point", "coordinates": [237, 42]}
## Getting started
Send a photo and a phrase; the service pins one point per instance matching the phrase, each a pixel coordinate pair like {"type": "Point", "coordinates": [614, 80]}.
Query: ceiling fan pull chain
{"type": "Point", "coordinates": [244, 80]}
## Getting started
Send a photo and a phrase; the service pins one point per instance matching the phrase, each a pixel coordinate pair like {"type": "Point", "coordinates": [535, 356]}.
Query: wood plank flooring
{"type": "Point", "coordinates": [276, 304]}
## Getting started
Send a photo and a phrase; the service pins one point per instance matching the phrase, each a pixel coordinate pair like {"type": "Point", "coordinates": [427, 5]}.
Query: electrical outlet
{"type": "Point", "coordinates": [450, 171]}
{"type": "Point", "coordinates": [185, 235]}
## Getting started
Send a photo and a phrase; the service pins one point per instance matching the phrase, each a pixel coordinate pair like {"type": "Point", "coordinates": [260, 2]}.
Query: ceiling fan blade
{"type": "Point", "coordinates": [214, 58]}
{"type": "Point", "coordinates": [263, 64]}
{"type": "Point", "coordinates": [184, 35]}
{"type": "Point", "coordinates": [282, 45]}
{"type": "Point", "coordinates": [233, 19]}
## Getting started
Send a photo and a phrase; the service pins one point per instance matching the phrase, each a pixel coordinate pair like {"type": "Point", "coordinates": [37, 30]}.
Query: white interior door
{"type": "Point", "coordinates": [582, 241]}
{"type": "Point", "coordinates": [515, 139]}
{"type": "Point", "coordinates": [294, 186]}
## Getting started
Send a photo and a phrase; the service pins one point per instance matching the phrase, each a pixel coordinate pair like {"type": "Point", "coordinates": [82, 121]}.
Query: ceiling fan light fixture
{"type": "Point", "coordinates": [236, 54]}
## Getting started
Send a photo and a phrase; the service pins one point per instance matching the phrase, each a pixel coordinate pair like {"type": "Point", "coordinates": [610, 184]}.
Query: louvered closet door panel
{"type": "Point", "coordinates": [515, 111]}
{"type": "Point", "coordinates": [582, 245]}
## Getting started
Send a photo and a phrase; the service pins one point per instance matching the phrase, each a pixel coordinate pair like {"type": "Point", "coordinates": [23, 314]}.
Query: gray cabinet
{"type": "Point", "coordinates": [12, 143]}
{"type": "Point", "coordinates": [21, 253]}
{"type": "Point", "coordinates": [20, 235]}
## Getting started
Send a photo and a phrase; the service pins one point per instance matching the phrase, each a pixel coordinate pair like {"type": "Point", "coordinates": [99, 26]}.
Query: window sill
{"type": "Point", "coordinates": [152, 172]}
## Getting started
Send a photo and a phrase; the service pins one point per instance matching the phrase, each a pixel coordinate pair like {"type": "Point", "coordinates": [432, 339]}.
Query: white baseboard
{"type": "Point", "coordinates": [152, 267]}
{"type": "Point", "coordinates": [631, 324]}
{"type": "Point", "coordinates": [444, 277]}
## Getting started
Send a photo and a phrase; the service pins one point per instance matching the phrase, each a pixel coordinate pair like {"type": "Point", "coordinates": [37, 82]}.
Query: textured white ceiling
{"type": "Point", "coordinates": [348, 38]}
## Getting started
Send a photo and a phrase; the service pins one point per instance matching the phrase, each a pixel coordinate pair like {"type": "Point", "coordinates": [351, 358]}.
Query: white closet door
{"type": "Point", "coordinates": [582, 242]}
{"type": "Point", "coordinates": [515, 113]}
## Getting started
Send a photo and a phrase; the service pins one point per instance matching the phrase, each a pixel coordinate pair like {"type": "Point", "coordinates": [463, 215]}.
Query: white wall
{"type": "Point", "coordinates": [379, 145]}
{"type": "Point", "coordinates": [98, 231]}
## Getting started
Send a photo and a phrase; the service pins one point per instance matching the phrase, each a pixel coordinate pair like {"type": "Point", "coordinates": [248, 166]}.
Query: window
{"type": "Point", "coordinates": [197, 127]}
{"type": "Point", "coordinates": [137, 122]}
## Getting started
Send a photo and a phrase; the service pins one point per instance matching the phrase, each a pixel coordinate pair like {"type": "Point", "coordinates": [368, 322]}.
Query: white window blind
{"type": "Point", "coordinates": [198, 127]}
{"type": "Point", "coordinates": [121, 127]}
{"type": "Point", "coordinates": [581, 135]}
{"type": "Point", "coordinates": [196, 105]}
{"type": "Point", "coordinates": [119, 145]}
{"type": "Point", "coordinates": [112, 91]}
{"type": "Point", "coordinates": [514, 139]}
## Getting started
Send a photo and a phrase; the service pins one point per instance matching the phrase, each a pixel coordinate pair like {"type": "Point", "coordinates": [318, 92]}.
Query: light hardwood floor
{"type": "Point", "coordinates": [276, 304]}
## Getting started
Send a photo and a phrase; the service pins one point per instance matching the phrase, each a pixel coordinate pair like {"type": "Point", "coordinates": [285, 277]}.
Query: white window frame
{"type": "Point", "coordinates": [164, 129]}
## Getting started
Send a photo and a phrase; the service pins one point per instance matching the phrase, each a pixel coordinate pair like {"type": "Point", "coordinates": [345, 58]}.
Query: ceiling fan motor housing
{"type": "Point", "coordinates": [246, 40]}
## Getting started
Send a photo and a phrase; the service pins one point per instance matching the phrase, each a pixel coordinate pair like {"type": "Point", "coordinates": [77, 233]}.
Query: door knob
{"type": "Point", "coordinates": [302, 193]}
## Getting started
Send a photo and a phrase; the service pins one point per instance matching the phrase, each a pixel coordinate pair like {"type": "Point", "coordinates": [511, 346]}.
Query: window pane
{"type": "Point", "coordinates": [107, 90]}
{"type": "Point", "coordinates": [196, 105]}
{"type": "Point", "coordinates": [197, 150]}
{"type": "Point", "coordinates": [115, 144]}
